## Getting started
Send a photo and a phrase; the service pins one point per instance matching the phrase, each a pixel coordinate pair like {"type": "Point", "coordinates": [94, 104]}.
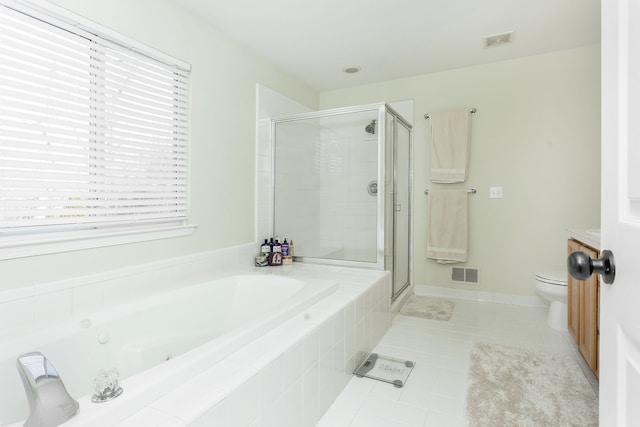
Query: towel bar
{"type": "Point", "coordinates": [471, 190]}
{"type": "Point", "coordinates": [472, 111]}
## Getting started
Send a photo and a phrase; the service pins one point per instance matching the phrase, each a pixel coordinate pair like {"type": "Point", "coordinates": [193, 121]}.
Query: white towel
{"type": "Point", "coordinates": [447, 229]}
{"type": "Point", "coordinates": [450, 141]}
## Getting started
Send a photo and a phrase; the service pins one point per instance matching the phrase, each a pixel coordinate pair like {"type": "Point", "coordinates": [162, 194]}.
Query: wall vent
{"type": "Point", "coordinates": [464, 275]}
{"type": "Point", "coordinates": [471, 275]}
{"type": "Point", "coordinates": [457, 274]}
{"type": "Point", "coordinates": [498, 39]}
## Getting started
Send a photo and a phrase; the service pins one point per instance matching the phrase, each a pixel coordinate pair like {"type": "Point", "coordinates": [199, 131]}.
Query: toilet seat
{"type": "Point", "coordinates": [556, 278]}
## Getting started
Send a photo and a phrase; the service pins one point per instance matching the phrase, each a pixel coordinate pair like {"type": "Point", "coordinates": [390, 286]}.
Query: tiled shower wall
{"type": "Point", "coordinates": [324, 166]}
{"type": "Point", "coordinates": [332, 207]}
{"type": "Point", "coordinates": [349, 162]}
{"type": "Point", "coordinates": [298, 182]}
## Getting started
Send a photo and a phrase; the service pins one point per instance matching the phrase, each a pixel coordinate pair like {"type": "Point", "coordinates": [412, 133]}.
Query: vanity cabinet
{"type": "Point", "coordinates": [583, 309]}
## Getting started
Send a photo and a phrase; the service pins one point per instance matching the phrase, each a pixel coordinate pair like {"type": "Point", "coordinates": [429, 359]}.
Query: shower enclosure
{"type": "Point", "coordinates": [342, 188]}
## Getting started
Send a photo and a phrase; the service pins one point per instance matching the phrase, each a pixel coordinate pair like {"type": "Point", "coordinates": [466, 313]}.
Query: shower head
{"type": "Point", "coordinates": [371, 127]}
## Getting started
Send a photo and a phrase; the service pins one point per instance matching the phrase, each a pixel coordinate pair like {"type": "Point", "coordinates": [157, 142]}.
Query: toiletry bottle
{"type": "Point", "coordinates": [265, 248]}
{"type": "Point", "coordinates": [271, 243]}
{"type": "Point", "coordinates": [285, 247]}
{"type": "Point", "coordinates": [277, 247]}
{"type": "Point", "coordinates": [291, 248]}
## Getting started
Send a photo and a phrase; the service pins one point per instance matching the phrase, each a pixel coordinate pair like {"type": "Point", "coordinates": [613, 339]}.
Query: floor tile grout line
{"type": "Point", "coordinates": [409, 335]}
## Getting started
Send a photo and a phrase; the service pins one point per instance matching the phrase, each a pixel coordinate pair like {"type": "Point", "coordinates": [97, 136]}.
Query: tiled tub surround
{"type": "Point", "coordinates": [217, 316]}
{"type": "Point", "coordinates": [288, 376]}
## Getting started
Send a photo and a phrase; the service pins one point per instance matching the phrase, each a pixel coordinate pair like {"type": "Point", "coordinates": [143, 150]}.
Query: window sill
{"type": "Point", "coordinates": [83, 239]}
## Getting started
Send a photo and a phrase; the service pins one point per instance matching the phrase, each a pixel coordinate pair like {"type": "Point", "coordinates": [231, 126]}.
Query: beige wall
{"type": "Point", "coordinates": [536, 133]}
{"type": "Point", "coordinates": [224, 78]}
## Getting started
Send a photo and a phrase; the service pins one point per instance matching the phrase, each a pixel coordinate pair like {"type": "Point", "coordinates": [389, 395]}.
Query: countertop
{"type": "Point", "coordinates": [590, 237]}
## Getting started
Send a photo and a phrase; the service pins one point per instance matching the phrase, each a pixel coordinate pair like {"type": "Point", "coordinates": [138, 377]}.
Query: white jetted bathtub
{"type": "Point", "coordinates": [156, 343]}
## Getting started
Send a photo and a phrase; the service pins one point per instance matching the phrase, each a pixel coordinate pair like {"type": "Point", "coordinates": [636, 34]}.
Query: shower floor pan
{"type": "Point", "coordinates": [386, 369]}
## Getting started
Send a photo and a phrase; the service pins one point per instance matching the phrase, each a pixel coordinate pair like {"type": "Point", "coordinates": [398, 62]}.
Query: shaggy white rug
{"type": "Point", "coordinates": [517, 387]}
{"type": "Point", "coordinates": [428, 307]}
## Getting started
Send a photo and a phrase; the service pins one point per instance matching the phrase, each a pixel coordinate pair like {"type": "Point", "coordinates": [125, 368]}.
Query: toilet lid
{"type": "Point", "coordinates": [555, 278]}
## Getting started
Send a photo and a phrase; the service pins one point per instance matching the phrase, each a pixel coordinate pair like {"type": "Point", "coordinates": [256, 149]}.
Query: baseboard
{"type": "Point", "coordinates": [399, 302]}
{"type": "Point", "coordinates": [481, 296]}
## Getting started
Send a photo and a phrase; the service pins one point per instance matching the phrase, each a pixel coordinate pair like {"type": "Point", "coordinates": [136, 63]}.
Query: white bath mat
{"type": "Point", "coordinates": [516, 387]}
{"type": "Point", "coordinates": [428, 307]}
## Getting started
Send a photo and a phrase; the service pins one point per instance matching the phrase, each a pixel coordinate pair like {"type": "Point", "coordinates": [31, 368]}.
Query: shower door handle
{"type": "Point", "coordinates": [398, 207]}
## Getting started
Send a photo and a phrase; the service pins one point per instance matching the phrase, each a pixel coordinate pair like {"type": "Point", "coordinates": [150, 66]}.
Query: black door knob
{"type": "Point", "coordinates": [581, 266]}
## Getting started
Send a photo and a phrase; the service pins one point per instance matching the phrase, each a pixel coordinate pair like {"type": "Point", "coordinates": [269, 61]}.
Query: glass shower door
{"type": "Point", "coordinates": [398, 201]}
{"type": "Point", "coordinates": [402, 208]}
{"type": "Point", "coordinates": [342, 188]}
{"type": "Point", "coordinates": [325, 185]}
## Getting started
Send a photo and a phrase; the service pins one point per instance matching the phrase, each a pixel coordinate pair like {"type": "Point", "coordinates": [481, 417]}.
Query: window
{"type": "Point", "coordinates": [93, 131]}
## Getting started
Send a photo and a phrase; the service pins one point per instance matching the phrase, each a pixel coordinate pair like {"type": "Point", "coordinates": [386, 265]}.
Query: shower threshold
{"type": "Point", "coordinates": [386, 369]}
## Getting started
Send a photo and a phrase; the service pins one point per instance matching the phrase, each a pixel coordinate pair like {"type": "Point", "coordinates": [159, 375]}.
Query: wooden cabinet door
{"type": "Point", "coordinates": [573, 298]}
{"type": "Point", "coordinates": [583, 309]}
{"type": "Point", "coordinates": [588, 332]}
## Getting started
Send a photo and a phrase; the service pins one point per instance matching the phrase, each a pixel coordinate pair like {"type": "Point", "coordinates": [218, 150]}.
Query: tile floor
{"type": "Point", "coordinates": [434, 394]}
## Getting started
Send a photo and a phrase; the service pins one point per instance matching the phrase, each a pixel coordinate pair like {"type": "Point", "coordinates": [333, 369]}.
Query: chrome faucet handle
{"type": "Point", "coordinates": [49, 402]}
{"type": "Point", "coordinates": [106, 385]}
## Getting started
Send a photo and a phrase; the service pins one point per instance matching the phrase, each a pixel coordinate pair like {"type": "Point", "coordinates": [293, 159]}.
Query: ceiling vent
{"type": "Point", "coordinates": [352, 69]}
{"type": "Point", "coordinates": [498, 39]}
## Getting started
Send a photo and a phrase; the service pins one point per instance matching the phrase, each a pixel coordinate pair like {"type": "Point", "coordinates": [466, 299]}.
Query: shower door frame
{"type": "Point", "coordinates": [397, 290]}
{"type": "Point", "coordinates": [380, 109]}
{"type": "Point", "coordinates": [379, 264]}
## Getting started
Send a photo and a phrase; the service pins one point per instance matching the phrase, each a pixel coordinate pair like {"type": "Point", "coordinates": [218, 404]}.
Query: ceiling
{"type": "Point", "coordinates": [314, 40]}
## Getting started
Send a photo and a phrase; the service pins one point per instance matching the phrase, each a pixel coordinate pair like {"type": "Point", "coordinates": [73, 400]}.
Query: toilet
{"type": "Point", "coordinates": [553, 287]}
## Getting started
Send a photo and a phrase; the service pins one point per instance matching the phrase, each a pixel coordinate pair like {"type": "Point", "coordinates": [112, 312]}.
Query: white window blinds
{"type": "Point", "coordinates": [93, 133]}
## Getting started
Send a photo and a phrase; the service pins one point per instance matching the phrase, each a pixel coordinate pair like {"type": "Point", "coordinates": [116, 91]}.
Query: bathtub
{"type": "Point", "coordinates": [156, 343]}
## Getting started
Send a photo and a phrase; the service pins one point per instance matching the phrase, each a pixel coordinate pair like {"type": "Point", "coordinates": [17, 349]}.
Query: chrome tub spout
{"type": "Point", "coordinates": [49, 402]}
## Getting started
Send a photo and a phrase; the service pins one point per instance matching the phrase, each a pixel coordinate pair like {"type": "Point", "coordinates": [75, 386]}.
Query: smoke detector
{"type": "Point", "coordinates": [498, 39]}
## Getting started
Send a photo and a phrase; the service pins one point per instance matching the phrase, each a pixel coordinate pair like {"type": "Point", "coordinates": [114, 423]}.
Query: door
{"type": "Point", "coordinates": [398, 177]}
{"type": "Point", "coordinates": [325, 170]}
{"type": "Point", "coordinates": [620, 316]}
{"type": "Point", "coordinates": [402, 207]}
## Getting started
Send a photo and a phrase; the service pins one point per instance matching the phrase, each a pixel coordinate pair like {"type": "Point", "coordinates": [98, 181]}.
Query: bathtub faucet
{"type": "Point", "coordinates": [49, 403]}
